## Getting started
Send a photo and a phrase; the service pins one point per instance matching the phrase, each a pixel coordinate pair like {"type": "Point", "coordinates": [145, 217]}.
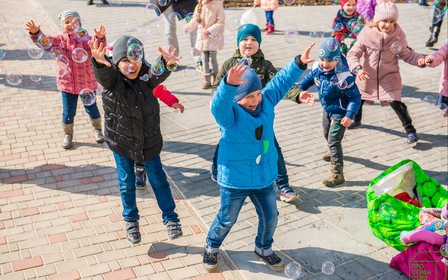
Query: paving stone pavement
{"type": "Point", "coordinates": [60, 211]}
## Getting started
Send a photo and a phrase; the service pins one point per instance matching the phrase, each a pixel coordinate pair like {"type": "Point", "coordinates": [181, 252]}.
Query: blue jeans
{"type": "Point", "coordinates": [282, 179]}
{"type": "Point", "coordinates": [270, 17]}
{"type": "Point", "coordinates": [69, 104]}
{"type": "Point", "coordinates": [231, 202]}
{"type": "Point", "coordinates": [159, 184]}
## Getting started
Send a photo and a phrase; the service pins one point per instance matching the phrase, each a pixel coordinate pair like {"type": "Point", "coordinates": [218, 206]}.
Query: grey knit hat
{"type": "Point", "coordinates": [67, 13]}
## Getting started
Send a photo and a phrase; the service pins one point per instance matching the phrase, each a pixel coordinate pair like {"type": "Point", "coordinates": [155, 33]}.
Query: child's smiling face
{"type": "Point", "coordinates": [67, 24]}
{"type": "Point", "coordinates": [249, 46]}
{"type": "Point", "coordinates": [251, 100]}
{"type": "Point", "coordinates": [327, 65]}
{"type": "Point", "coordinates": [349, 7]}
{"type": "Point", "coordinates": [386, 26]}
{"type": "Point", "coordinates": [129, 69]}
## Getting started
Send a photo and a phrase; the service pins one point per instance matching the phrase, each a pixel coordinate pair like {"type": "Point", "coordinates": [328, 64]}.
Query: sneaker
{"type": "Point", "coordinates": [213, 175]}
{"type": "Point", "coordinates": [133, 232]}
{"type": "Point", "coordinates": [210, 261]}
{"type": "Point", "coordinates": [354, 125]}
{"type": "Point", "coordinates": [412, 138]}
{"type": "Point", "coordinates": [326, 157]}
{"type": "Point", "coordinates": [140, 178]}
{"type": "Point", "coordinates": [287, 194]}
{"type": "Point", "coordinates": [174, 230]}
{"type": "Point", "coordinates": [199, 67]}
{"type": "Point", "coordinates": [273, 261]}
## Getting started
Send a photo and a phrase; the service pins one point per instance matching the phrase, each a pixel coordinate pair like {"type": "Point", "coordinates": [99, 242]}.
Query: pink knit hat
{"type": "Point", "coordinates": [385, 11]}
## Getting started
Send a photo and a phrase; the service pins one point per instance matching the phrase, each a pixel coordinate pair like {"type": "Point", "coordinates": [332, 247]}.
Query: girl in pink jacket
{"type": "Point", "coordinates": [435, 60]}
{"type": "Point", "coordinates": [209, 21]}
{"type": "Point", "coordinates": [75, 72]}
{"type": "Point", "coordinates": [378, 77]}
{"type": "Point", "coordinates": [269, 7]}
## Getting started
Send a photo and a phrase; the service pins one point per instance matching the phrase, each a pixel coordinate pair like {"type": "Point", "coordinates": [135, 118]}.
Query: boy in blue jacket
{"type": "Point", "coordinates": [340, 99]}
{"type": "Point", "coordinates": [247, 159]}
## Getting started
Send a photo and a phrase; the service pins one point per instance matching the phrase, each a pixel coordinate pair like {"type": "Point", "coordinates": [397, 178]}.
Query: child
{"type": "Point", "coordinates": [366, 8]}
{"type": "Point", "coordinates": [269, 7]}
{"type": "Point", "coordinates": [81, 74]}
{"type": "Point", "coordinates": [380, 43]}
{"type": "Point", "coordinates": [340, 99]}
{"type": "Point", "coordinates": [170, 100]}
{"type": "Point", "coordinates": [435, 60]}
{"type": "Point", "coordinates": [132, 127]}
{"type": "Point", "coordinates": [437, 21]}
{"type": "Point", "coordinates": [248, 43]}
{"type": "Point", "coordinates": [247, 159]}
{"type": "Point", "coordinates": [344, 24]}
{"type": "Point", "coordinates": [208, 19]}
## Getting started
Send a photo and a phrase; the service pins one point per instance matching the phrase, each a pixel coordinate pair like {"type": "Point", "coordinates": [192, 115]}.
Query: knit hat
{"type": "Point", "coordinates": [386, 11]}
{"type": "Point", "coordinates": [67, 13]}
{"type": "Point", "coordinates": [248, 29]}
{"type": "Point", "coordinates": [252, 84]}
{"type": "Point", "coordinates": [342, 2]}
{"type": "Point", "coordinates": [120, 48]}
{"type": "Point", "coordinates": [330, 49]}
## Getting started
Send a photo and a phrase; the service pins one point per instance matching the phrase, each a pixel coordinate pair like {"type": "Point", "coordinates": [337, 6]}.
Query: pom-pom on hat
{"type": "Point", "coordinates": [248, 29]}
{"type": "Point", "coordinates": [67, 13]}
{"type": "Point", "coordinates": [330, 49]}
{"type": "Point", "coordinates": [252, 84]}
{"type": "Point", "coordinates": [386, 11]}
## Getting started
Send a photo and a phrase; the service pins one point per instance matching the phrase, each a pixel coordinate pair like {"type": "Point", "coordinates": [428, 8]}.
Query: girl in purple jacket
{"type": "Point", "coordinates": [75, 74]}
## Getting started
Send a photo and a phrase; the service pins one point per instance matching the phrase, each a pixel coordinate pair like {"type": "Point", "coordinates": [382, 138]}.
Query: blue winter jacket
{"type": "Point", "coordinates": [247, 158]}
{"type": "Point", "coordinates": [341, 99]}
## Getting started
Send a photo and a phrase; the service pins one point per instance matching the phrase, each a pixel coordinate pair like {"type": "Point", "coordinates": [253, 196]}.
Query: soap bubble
{"type": "Point", "coordinates": [150, 9]}
{"type": "Point", "coordinates": [157, 68]}
{"type": "Point", "coordinates": [16, 36]}
{"type": "Point", "coordinates": [328, 268]}
{"type": "Point", "coordinates": [79, 55]}
{"type": "Point", "coordinates": [395, 48]}
{"type": "Point", "coordinates": [444, 250]}
{"type": "Point", "coordinates": [173, 16]}
{"type": "Point", "coordinates": [135, 52]}
{"type": "Point", "coordinates": [75, 24]}
{"type": "Point", "coordinates": [35, 78]}
{"type": "Point", "coordinates": [189, 72]}
{"type": "Point", "coordinates": [82, 35]}
{"type": "Point", "coordinates": [63, 59]}
{"type": "Point", "coordinates": [291, 33]}
{"type": "Point", "coordinates": [45, 42]}
{"type": "Point", "coordinates": [2, 53]}
{"type": "Point", "coordinates": [13, 79]}
{"type": "Point", "coordinates": [87, 97]}
{"type": "Point", "coordinates": [246, 60]}
{"type": "Point", "coordinates": [162, 2]}
{"type": "Point", "coordinates": [387, 211]}
{"type": "Point", "coordinates": [188, 17]}
{"type": "Point", "coordinates": [289, 2]}
{"type": "Point", "coordinates": [248, 17]}
{"type": "Point", "coordinates": [3, 23]}
{"type": "Point", "coordinates": [55, 52]}
{"type": "Point", "coordinates": [34, 52]}
{"type": "Point", "coordinates": [293, 270]}
{"type": "Point", "coordinates": [332, 44]}
{"type": "Point", "coordinates": [430, 100]}
{"type": "Point", "coordinates": [172, 66]}
{"type": "Point", "coordinates": [114, 3]}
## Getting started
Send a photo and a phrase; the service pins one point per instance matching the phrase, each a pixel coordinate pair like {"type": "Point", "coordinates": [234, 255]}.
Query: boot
{"type": "Point", "coordinates": [105, 2]}
{"type": "Point", "coordinates": [206, 84]}
{"type": "Point", "coordinates": [271, 29]}
{"type": "Point", "coordinates": [213, 78]}
{"type": "Point", "coordinates": [326, 157]}
{"type": "Point", "coordinates": [89, 2]}
{"type": "Point", "coordinates": [435, 31]}
{"type": "Point", "coordinates": [267, 25]}
{"type": "Point", "coordinates": [68, 138]}
{"type": "Point", "coordinates": [336, 176]}
{"type": "Point", "coordinates": [96, 123]}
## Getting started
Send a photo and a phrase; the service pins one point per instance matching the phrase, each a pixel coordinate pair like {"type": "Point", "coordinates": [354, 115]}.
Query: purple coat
{"type": "Point", "coordinates": [440, 57]}
{"type": "Point", "coordinates": [366, 8]}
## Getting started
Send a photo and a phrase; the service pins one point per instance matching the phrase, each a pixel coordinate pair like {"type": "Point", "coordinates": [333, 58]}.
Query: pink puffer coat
{"type": "Point", "coordinates": [267, 5]}
{"type": "Point", "coordinates": [212, 19]}
{"type": "Point", "coordinates": [441, 56]}
{"type": "Point", "coordinates": [79, 75]}
{"type": "Point", "coordinates": [380, 52]}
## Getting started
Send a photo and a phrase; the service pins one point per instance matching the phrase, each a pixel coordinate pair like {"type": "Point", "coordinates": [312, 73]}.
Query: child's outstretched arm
{"type": "Point", "coordinates": [168, 98]}
{"type": "Point", "coordinates": [105, 73]}
{"type": "Point", "coordinates": [45, 42]}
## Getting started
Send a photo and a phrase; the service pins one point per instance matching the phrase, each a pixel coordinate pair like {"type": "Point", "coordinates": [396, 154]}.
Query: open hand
{"type": "Point", "coordinates": [32, 27]}
{"type": "Point", "coordinates": [305, 57]}
{"type": "Point", "coordinates": [98, 52]}
{"type": "Point", "coordinates": [363, 75]}
{"type": "Point", "coordinates": [170, 56]}
{"type": "Point", "coordinates": [306, 97]}
{"type": "Point", "coordinates": [235, 74]}
{"type": "Point", "coordinates": [101, 32]}
{"type": "Point", "coordinates": [178, 107]}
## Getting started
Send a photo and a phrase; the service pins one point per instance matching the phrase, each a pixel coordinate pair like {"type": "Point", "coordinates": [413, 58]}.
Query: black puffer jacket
{"type": "Point", "coordinates": [132, 113]}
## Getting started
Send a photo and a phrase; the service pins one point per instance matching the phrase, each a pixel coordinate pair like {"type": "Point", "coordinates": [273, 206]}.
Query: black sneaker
{"type": "Point", "coordinates": [210, 261]}
{"type": "Point", "coordinates": [412, 138]}
{"type": "Point", "coordinates": [174, 230]}
{"type": "Point", "coordinates": [273, 261]}
{"type": "Point", "coordinates": [133, 232]}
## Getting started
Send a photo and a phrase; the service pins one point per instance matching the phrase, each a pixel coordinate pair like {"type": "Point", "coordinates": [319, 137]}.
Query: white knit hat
{"type": "Point", "coordinates": [386, 11]}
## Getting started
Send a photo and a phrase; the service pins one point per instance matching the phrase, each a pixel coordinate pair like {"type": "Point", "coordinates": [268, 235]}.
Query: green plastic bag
{"type": "Point", "coordinates": [389, 216]}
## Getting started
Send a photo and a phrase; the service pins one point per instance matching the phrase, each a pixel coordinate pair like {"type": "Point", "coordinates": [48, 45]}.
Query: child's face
{"type": "Point", "coordinates": [251, 100]}
{"type": "Point", "coordinates": [349, 7]}
{"type": "Point", "coordinates": [249, 46]}
{"type": "Point", "coordinates": [386, 26]}
{"type": "Point", "coordinates": [129, 69]}
{"type": "Point", "coordinates": [67, 24]}
{"type": "Point", "coordinates": [327, 65]}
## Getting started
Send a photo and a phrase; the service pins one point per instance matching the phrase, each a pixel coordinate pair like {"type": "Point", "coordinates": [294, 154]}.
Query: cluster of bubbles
{"type": "Point", "coordinates": [293, 270]}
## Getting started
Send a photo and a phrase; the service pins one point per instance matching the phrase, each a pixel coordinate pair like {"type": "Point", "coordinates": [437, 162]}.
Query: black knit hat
{"type": "Point", "coordinates": [120, 48]}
